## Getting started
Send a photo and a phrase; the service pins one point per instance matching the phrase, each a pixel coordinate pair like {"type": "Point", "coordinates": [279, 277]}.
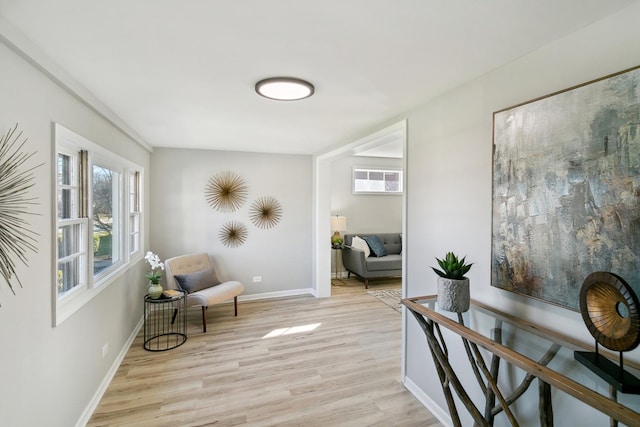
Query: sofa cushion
{"type": "Point", "coordinates": [359, 243]}
{"type": "Point", "coordinates": [389, 262]}
{"type": "Point", "coordinates": [197, 281]}
{"type": "Point", "coordinates": [376, 246]}
{"type": "Point", "coordinates": [392, 242]}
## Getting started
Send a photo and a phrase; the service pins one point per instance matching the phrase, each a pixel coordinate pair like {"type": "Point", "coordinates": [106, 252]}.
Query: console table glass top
{"type": "Point", "coordinates": [541, 353]}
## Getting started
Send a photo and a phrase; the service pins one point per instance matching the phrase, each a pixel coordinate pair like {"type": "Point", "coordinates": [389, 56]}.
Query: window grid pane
{"type": "Point", "coordinates": [68, 276]}
{"type": "Point", "coordinates": [360, 174]}
{"type": "Point", "coordinates": [106, 224]}
{"type": "Point", "coordinates": [69, 240]}
{"type": "Point", "coordinates": [377, 181]}
{"type": "Point", "coordinates": [67, 194]}
{"type": "Point", "coordinates": [64, 169]}
{"type": "Point", "coordinates": [376, 176]}
{"type": "Point", "coordinates": [71, 255]}
{"type": "Point", "coordinates": [134, 234]}
{"type": "Point", "coordinates": [134, 212]}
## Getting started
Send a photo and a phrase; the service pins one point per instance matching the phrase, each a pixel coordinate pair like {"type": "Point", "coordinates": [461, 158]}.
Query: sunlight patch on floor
{"type": "Point", "coordinates": [292, 330]}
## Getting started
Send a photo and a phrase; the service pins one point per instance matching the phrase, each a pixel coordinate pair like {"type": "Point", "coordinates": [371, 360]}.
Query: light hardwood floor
{"type": "Point", "coordinates": [340, 368]}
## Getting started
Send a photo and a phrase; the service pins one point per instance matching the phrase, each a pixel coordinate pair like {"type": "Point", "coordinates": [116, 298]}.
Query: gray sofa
{"type": "Point", "coordinates": [373, 267]}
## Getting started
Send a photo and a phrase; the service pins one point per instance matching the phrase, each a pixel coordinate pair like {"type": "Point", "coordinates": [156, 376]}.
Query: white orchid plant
{"type": "Point", "coordinates": [154, 261]}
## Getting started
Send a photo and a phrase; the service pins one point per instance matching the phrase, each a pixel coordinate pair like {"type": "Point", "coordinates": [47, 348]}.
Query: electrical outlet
{"type": "Point", "coordinates": [105, 350]}
{"type": "Point", "coordinates": [257, 279]}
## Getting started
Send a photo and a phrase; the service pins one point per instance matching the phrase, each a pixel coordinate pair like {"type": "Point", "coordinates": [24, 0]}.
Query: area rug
{"type": "Point", "coordinates": [390, 297]}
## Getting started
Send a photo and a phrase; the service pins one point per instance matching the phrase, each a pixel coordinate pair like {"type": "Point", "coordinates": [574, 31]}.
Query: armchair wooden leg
{"type": "Point", "coordinates": [173, 318]}
{"type": "Point", "coordinates": [366, 283]}
{"type": "Point", "coordinates": [235, 306]}
{"type": "Point", "coordinates": [204, 319]}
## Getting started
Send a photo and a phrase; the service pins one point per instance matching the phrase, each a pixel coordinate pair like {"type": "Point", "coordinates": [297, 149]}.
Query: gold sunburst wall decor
{"type": "Point", "coordinates": [265, 212]}
{"type": "Point", "coordinates": [233, 234]}
{"type": "Point", "coordinates": [226, 192]}
{"type": "Point", "coordinates": [16, 179]}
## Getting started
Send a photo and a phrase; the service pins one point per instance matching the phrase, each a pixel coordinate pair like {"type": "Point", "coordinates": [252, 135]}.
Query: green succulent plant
{"type": "Point", "coordinates": [452, 267]}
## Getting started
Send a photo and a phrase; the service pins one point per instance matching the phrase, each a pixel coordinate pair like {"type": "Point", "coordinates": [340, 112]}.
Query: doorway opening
{"type": "Point", "coordinates": [387, 142]}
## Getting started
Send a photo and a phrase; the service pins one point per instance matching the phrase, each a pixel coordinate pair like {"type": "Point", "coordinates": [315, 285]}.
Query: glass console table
{"type": "Point", "coordinates": [539, 352]}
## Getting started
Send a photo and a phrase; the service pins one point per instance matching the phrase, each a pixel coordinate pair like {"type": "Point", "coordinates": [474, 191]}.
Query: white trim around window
{"type": "Point", "coordinates": [97, 220]}
{"type": "Point", "coordinates": [376, 180]}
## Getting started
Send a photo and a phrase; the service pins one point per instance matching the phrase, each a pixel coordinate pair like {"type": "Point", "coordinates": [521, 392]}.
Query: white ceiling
{"type": "Point", "coordinates": [182, 73]}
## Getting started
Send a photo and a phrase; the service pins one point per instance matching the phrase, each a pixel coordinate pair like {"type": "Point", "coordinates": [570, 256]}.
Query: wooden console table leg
{"type": "Point", "coordinates": [544, 404]}
{"type": "Point", "coordinates": [451, 404]}
{"type": "Point", "coordinates": [613, 393]}
{"type": "Point", "coordinates": [476, 365]}
{"type": "Point", "coordinates": [493, 384]}
{"type": "Point", "coordinates": [448, 377]}
{"type": "Point", "coordinates": [495, 367]}
{"type": "Point", "coordinates": [427, 328]}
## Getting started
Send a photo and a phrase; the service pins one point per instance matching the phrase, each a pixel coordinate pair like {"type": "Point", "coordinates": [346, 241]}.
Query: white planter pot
{"type": "Point", "coordinates": [453, 295]}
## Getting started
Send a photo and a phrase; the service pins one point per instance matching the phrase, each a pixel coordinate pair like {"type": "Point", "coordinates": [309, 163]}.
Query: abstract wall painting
{"type": "Point", "coordinates": [566, 190]}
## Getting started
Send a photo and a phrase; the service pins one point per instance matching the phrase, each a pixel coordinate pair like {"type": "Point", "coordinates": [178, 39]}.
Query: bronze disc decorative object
{"type": "Point", "coordinates": [609, 308]}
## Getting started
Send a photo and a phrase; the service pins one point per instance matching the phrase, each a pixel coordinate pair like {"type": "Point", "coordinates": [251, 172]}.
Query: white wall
{"type": "Point", "coordinates": [50, 374]}
{"type": "Point", "coordinates": [182, 221]}
{"type": "Point", "coordinates": [366, 213]}
{"type": "Point", "coordinates": [449, 147]}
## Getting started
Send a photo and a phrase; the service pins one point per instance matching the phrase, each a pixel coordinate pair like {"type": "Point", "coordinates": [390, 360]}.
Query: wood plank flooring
{"type": "Point", "coordinates": [282, 362]}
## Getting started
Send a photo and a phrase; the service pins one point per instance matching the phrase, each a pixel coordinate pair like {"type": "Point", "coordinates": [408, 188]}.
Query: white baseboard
{"type": "Point", "coordinates": [441, 414]}
{"type": "Point", "coordinates": [95, 400]}
{"type": "Point", "coordinates": [278, 294]}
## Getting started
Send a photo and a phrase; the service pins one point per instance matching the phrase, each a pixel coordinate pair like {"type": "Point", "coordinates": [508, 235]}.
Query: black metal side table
{"type": "Point", "coordinates": [337, 251]}
{"type": "Point", "coordinates": [165, 322]}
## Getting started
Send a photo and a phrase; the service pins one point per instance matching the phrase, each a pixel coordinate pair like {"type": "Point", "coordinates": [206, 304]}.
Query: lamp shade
{"type": "Point", "coordinates": [338, 223]}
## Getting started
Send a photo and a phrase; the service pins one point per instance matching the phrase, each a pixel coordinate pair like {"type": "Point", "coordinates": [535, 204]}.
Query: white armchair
{"type": "Point", "coordinates": [195, 274]}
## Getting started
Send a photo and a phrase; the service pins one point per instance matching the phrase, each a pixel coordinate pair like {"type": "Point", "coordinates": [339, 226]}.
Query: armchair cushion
{"type": "Point", "coordinates": [197, 281]}
{"type": "Point", "coordinates": [195, 271]}
{"type": "Point", "coordinates": [376, 246]}
{"type": "Point", "coordinates": [359, 243]}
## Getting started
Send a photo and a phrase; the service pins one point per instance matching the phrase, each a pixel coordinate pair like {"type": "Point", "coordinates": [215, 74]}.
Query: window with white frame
{"type": "Point", "coordinates": [376, 181]}
{"type": "Point", "coordinates": [134, 212]}
{"type": "Point", "coordinates": [71, 226]}
{"type": "Point", "coordinates": [96, 192]}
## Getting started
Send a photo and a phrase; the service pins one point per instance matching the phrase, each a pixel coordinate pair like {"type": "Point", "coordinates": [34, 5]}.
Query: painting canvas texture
{"type": "Point", "coordinates": [566, 190]}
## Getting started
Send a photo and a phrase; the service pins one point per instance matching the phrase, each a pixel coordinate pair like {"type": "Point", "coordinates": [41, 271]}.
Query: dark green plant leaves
{"type": "Point", "coordinates": [452, 267]}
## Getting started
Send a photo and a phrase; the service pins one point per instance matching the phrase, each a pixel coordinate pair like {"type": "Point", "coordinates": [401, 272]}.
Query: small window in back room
{"type": "Point", "coordinates": [377, 181]}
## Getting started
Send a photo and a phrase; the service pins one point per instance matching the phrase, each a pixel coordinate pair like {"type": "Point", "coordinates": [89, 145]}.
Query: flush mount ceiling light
{"type": "Point", "coordinates": [284, 88]}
